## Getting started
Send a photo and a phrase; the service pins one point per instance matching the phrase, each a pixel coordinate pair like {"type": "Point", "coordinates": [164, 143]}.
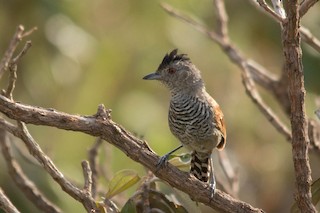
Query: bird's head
{"type": "Point", "coordinates": [177, 72]}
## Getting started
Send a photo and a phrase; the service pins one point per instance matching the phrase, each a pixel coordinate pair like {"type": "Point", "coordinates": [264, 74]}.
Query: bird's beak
{"type": "Point", "coordinates": [152, 76]}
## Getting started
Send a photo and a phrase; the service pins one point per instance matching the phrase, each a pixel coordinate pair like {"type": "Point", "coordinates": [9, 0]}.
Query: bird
{"type": "Point", "coordinates": [194, 117]}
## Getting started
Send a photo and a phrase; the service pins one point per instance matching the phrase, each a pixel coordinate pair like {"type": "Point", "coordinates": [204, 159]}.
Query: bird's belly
{"type": "Point", "coordinates": [196, 135]}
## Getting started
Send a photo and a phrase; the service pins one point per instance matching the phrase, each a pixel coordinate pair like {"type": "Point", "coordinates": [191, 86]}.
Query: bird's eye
{"type": "Point", "coordinates": [171, 70]}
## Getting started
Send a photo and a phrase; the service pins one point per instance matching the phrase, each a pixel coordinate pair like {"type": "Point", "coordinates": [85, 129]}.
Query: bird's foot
{"type": "Point", "coordinates": [163, 161]}
{"type": "Point", "coordinates": [212, 187]}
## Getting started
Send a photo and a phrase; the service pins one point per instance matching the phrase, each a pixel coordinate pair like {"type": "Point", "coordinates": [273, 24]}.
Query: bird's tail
{"type": "Point", "coordinates": [200, 166]}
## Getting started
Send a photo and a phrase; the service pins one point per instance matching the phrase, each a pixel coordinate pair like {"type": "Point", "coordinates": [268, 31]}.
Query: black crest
{"type": "Point", "coordinates": [171, 57]}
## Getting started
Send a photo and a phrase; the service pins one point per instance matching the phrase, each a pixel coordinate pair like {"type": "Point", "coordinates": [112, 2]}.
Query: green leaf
{"type": "Point", "coordinates": [122, 181]}
{"type": "Point", "coordinates": [157, 201]}
{"type": "Point", "coordinates": [129, 207]}
{"type": "Point", "coordinates": [161, 202]}
{"type": "Point", "coordinates": [181, 161]}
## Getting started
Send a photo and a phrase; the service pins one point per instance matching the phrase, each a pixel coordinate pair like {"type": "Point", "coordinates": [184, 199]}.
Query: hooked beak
{"type": "Point", "coordinates": [152, 76]}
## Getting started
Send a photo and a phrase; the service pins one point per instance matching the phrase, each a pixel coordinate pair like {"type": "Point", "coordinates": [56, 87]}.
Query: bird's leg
{"type": "Point", "coordinates": [164, 159]}
{"type": "Point", "coordinates": [212, 180]}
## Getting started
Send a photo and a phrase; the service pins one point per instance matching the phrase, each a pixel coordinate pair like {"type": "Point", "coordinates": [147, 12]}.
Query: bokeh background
{"type": "Point", "coordinates": [86, 53]}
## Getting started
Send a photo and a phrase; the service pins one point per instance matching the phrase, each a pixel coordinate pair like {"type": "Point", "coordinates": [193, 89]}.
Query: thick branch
{"type": "Point", "coordinates": [300, 140]}
{"type": "Point", "coordinates": [133, 147]}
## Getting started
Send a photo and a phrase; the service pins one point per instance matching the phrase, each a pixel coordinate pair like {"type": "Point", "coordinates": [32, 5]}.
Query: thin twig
{"type": "Point", "coordinates": [87, 174]}
{"type": "Point", "coordinates": [313, 132]}
{"type": "Point", "coordinates": [269, 11]}
{"type": "Point", "coordinates": [306, 35]}
{"type": "Point", "coordinates": [222, 19]}
{"type": "Point", "coordinates": [12, 80]}
{"type": "Point", "coordinates": [256, 98]}
{"type": "Point", "coordinates": [28, 188]}
{"type": "Point", "coordinates": [231, 174]}
{"type": "Point", "coordinates": [309, 38]}
{"type": "Point", "coordinates": [305, 5]}
{"type": "Point", "coordinates": [260, 74]}
{"type": "Point", "coordinates": [93, 158]}
{"type": "Point", "coordinates": [16, 39]}
{"type": "Point", "coordinates": [6, 205]}
{"type": "Point", "coordinates": [29, 32]}
{"type": "Point", "coordinates": [24, 50]}
{"type": "Point", "coordinates": [4, 64]}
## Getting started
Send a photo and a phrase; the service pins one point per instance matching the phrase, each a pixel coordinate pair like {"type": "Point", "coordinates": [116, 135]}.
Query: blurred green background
{"type": "Point", "coordinates": [86, 53]}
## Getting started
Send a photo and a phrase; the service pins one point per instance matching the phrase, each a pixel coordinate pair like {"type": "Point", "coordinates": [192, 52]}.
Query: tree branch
{"type": "Point", "coordinates": [305, 5]}
{"type": "Point", "coordinates": [6, 205]}
{"type": "Point", "coordinates": [300, 141]}
{"type": "Point", "coordinates": [35, 150]}
{"type": "Point", "coordinates": [306, 35]}
{"type": "Point", "coordinates": [92, 158]}
{"type": "Point", "coordinates": [18, 36]}
{"type": "Point", "coordinates": [22, 181]}
{"type": "Point", "coordinates": [133, 147]}
{"type": "Point", "coordinates": [270, 12]}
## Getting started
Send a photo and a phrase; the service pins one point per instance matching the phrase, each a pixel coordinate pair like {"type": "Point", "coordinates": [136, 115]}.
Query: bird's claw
{"type": "Point", "coordinates": [212, 188]}
{"type": "Point", "coordinates": [163, 161]}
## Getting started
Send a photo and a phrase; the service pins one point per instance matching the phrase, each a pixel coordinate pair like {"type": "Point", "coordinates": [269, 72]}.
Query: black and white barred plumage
{"type": "Point", "coordinates": [194, 116]}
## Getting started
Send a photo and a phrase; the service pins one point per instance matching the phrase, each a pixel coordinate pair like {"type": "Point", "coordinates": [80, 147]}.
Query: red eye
{"type": "Point", "coordinates": [171, 70]}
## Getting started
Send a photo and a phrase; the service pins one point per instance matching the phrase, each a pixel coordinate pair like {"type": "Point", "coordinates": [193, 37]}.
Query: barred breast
{"type": "Point", "coordinates": [191, 121]}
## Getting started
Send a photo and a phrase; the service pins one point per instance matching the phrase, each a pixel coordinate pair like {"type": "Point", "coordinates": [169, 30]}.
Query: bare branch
{"type": "Point", "coordinates": [87, 173]}
{"type": "Point", "coordinates": [16, 39]}
{"type": "Point", "coordinates": [306, 35]}
{"type": "Point", "coordinates": [309, 38]}
{"type": "Point", "coordinates": [300, 141]}
{"type": "Point", "coordinates": [269, 11]}
{"type": "Point", "coordinates": [256, 98]}
{"type": "Point", "coordinates": [313, 132]}
{"type": "Point", "coordinates": [35, 150]}
{"type": "Point", "coordinates": [231, 174]}
{"type": "Point", "coordinates": [29, 189]}
{"type": "Point", "coordinates": [29, 32]}
{"type": "Point", "coordinates": [222, 19]}
{"type": "Point", "coordinates": [4, 64]}
{"type": "Point", "coordinates": [12, 80]}
{"type": "Point", "coordinates": [6, 205]}
{"type": "Point", "coordinates": [133, 147]}
{"type": "Point", "coordinates": [26, 47]}
{"type": "Point", "coordinates": [305, 5]}
{"type": "Point", "coordinates": [260, 74]}
{"type": "Point", "coordinates": [92, 157]}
